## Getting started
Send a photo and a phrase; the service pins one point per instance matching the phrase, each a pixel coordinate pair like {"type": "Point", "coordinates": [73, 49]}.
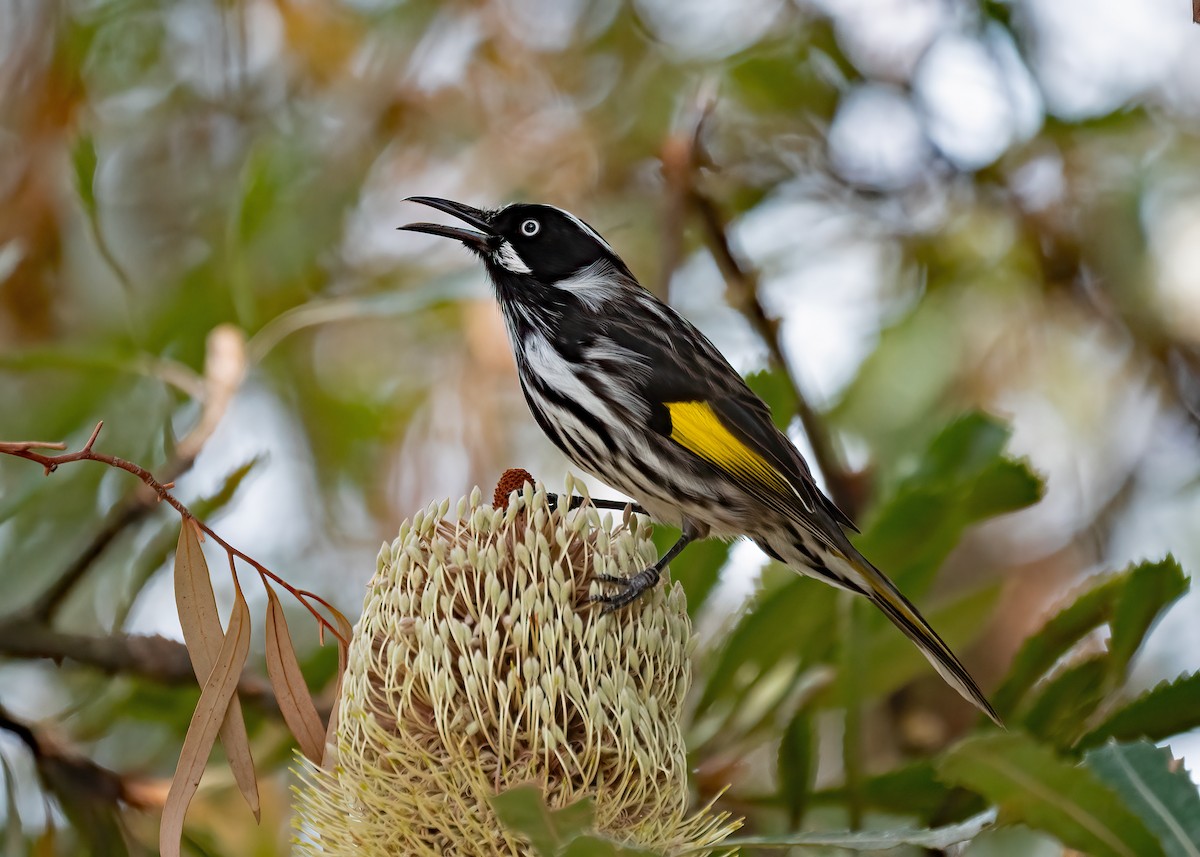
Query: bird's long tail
{"type": "Point", "coordinates": [884, 595]}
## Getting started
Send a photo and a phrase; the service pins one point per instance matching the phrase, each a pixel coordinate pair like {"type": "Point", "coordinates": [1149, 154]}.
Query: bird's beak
{"type": "Point", "coordinates": [475, 217]}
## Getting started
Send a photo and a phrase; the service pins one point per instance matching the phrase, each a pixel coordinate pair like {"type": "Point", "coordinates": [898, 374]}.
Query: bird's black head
{"type": "Point", "coordinates": [524, 240]}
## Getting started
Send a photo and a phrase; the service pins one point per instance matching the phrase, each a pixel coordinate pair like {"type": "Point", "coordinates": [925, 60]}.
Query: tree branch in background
{"type": "Point", "coordinates": [215, 655]}
{"type": "Point", "coordinates": [224, 370]}
{"type": "Point", "coordinates": [150, 657]}
{"type": "Point", "coordinates": [682, 157]}
{"type": "Point", "coordinates": [104, 785]}
{"type": "Point", "coordinates": [29, 450]}
{"type": "Point", "coordinates": [742, 284]}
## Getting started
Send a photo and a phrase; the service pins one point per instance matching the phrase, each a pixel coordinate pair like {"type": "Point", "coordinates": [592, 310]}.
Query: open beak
{"type": "Point", "coordinates": [473, 216]}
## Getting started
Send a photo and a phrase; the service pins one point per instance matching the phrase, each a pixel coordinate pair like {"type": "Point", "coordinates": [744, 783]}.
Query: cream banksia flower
{"type": "Point", "coordinates": [478, 664]}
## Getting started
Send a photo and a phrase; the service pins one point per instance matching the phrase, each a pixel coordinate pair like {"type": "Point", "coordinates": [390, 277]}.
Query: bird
{"type": "Point", "coordinates": [634, 394]}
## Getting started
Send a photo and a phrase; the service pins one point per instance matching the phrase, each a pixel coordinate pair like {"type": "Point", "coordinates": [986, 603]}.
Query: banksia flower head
{"type": "Point", "coordinates": [479, 665]}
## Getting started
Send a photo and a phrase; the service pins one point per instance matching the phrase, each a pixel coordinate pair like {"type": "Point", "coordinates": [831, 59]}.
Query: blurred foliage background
{"type": "Point", "coordinates": [951, 207]}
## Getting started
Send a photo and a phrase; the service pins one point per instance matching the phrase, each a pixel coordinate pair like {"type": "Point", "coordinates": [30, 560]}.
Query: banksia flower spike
{"type": "Point", "coordinates": [479, 665]}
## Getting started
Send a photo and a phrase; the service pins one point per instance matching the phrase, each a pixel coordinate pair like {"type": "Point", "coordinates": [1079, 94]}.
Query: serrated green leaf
{"type": "Point", "coordinates": [1166, 800]}
{"type": "Point", "coordinates": [1169, 708]}
{"type": "Point", "coordinates": [1032, 786]}
{"type": "Point", "coordinates": [795, 766]}
{"type": "Point", "coordinates": [1150, 586]}
{"type": "Point", "coordinates": [1146, 595]}
{"type": "Point", "coordinates": [1059, 713]}
{"type": "Point", "coordinates": [939, 838]}
{"type": "Point", "coordinates": [963, 449]}
{"type": "Point", "coordinates": [522, 809]}
{"type": "Point", "coordinates": [963, 478]}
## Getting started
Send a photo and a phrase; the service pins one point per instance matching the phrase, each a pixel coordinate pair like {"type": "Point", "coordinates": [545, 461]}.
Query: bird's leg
{"type": "Point", "coordinates": [632, 588]}
{"type": "Point", "coordinates": [575, 501]}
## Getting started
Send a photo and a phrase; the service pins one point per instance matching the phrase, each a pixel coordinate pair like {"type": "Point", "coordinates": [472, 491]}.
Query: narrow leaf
{"type": "Point", "coordinates": [1030, 785]}
{"type": "Point", "coordinates": [291, 691]}
{"type": "Point", "coordinates": [219, 689]}
{"type": "Point", "coordinates": [1151, 588]}
{"type": "Point", "coordinates": [523, 810]}
{"type": "Point", "coordinates": [1130, 600]}
{"type": "Point", "coordinates": [84, 160]}
{"type": "Point", "coordinates": [203, 637]}
{"type": "Point", "coordinates": [939, 838]}
{"type": "Point", "coordinates": [1165, 799]}
{"type": "Point", "coordinates": [795, 766]}
{"type": "Point", "coordinates": [1059, 713]}
{"type": "Point", "coordinates": [910, 790]}
{"type": "Point", "coordinates": [1165, 710]}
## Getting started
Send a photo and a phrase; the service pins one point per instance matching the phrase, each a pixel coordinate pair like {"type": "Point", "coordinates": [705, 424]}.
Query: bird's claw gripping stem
{"type": "Point", "coordinates": [632, 588]}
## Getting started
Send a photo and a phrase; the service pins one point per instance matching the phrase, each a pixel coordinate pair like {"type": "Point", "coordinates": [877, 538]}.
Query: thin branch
{"type": "Point", "coordinates": [106, 785]}
{"type": "Point", "coordinates": [742, 287]}
{"type": "Point", "coordinates": [51, 463]}
{"type": "Point", "coordinates": [681, 156]}
{"type": "Point", "coordinates": [224, 370]}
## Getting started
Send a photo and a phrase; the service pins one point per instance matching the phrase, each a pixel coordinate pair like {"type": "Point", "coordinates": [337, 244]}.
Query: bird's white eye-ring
{"type": "Point", "coordinates": [530, 228]}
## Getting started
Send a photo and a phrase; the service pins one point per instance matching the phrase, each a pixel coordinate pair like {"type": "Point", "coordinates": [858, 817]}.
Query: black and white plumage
{"type": "Point", "coordinates": [633, 393]}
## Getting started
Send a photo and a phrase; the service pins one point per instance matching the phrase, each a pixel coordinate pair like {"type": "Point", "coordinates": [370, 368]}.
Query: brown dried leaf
{"type": "Point", "coordinates": [291, 691]}
{"type": "Point", "coordinates": [219, 689]}
{"type": "Point", "coordinates": [203, 636]}
{"type": "Point", "coordinates": [347, 631]}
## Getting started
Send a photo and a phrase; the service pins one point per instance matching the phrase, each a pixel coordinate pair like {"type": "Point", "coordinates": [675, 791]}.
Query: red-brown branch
{"type": "Point", "coordinates": [27, 450]}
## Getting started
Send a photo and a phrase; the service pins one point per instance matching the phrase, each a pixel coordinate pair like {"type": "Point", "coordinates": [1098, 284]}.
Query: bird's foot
{"type": "Point", "coordinates": [631, 588]}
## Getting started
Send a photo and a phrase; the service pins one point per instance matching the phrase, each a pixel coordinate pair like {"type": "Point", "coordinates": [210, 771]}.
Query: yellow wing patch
{"type": "Point", "coordinates": [695, 427]}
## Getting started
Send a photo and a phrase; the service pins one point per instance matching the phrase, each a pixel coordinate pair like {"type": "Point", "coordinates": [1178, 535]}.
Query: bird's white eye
{"type": "Point", "coordinates": [530, 228]}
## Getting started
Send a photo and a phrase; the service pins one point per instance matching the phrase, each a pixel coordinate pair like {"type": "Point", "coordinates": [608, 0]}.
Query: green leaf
{"type": "Point", "coordinates": [1169, 708]}
{"type": "Point", "coordinates": [600, 846]}
{"type": "Point", "coordinates": [1147, 594]}
{"type": "Point", "coordinates": [939, 838]}
{"type": "Point", "coordinates": [84, 160]}
{"type": "Point", "coordinates": [963, 478]}
{"type": "Point", "coordinates": [523, 810]}
{"type": "Point", "coordinates": [774, 388]}
{"type": "Point", "coordinates": [1059, 713]}
{"type": "Point", "coordinates": [910, 790]}
{"type": "Point", "coordinates": [789, 620]}
{"type": "Point", "coordinates": [1149, 587]}
{"type": "Point", "coordinates": [1166, 799]}
{"type": "Point", "coordinates": [796, 766]}
{"type": "Point", "coordinates": [1032, 786]}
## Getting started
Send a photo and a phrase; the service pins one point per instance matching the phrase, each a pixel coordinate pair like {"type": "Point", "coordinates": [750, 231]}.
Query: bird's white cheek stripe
{"type": "Point", "coordinates": [507, 258]}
